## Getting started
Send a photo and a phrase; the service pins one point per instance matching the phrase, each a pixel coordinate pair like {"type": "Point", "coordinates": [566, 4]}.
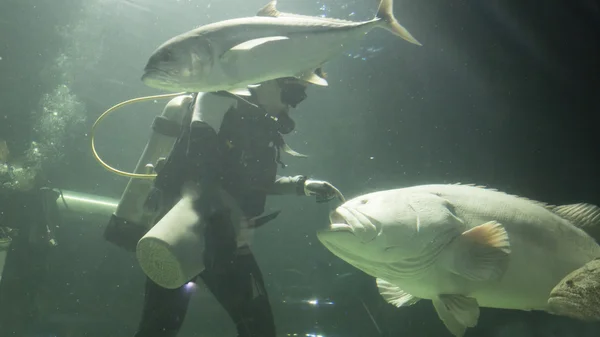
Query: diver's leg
{"type": "Point", "coordinates": [164, 310]}
{"type": "Point", "coordinates": [240, 290]}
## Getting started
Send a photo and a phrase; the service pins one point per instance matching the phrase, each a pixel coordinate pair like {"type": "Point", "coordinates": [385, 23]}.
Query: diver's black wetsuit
{"type": "Point", "coordinates": [248, 142]}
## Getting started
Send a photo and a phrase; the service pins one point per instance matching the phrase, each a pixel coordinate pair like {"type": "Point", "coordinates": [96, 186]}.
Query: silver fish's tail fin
{"type": "Point", "coordinates": [386, 14]}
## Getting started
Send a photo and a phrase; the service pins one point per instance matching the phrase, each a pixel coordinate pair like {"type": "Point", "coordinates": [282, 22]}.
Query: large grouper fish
{"type": "Point", "coordinates": [233, 54]}
{"type": "Point", "coordinates": [463, 247]}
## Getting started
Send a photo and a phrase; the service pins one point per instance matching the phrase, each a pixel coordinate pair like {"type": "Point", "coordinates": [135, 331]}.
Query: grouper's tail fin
{"type": "Point", "coordinates": [386, 13]}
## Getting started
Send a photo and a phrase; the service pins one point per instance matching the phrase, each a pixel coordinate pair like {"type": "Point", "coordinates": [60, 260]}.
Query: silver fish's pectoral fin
{"type": "Point", "coordinates": [246, 46]}
{"type": "Point", "coordinates": [249, 45]}
{"type": "Point", "coordinates": [585, 216]}
{"type": "Point", "coordinates": [394, 295]}
{"type": "Point", "coordinates": [312, 77]}
{"type": "Point", "coordinates": [458, 312]}
{"type": "Point", "coordinates": [481, 253]}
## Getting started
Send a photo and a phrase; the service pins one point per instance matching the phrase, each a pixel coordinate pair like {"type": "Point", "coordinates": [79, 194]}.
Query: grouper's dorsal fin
{"type": "Point", "coordinates": [582, 215]}
{"type": "Point", "coordinates": [539, 203]}
{"type": "Point", "coordinates": [269, 9]}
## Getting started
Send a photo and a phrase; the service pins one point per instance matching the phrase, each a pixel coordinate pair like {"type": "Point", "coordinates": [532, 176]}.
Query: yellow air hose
{"type": "Point", "coordinates": [113, 109]}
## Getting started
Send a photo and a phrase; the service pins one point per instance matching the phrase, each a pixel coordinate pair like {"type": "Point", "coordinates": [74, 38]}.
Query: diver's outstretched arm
{"type": "Point", "coordinates": [301, 185]}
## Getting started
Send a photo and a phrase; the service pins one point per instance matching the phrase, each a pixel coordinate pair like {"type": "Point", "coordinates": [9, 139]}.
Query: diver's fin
{"type": "Point", "coordinates": [458, 312]}
{"type": "Point", "coordinates": [312, 77]}
{"type": "Point", "coordinates": [386, 14]}
{"type": "Point", "coordinates": [287, 149]}
{"type": "Point", "coordinates": [481, 253]}
{"type": "Point", "coordinates": [584, 216]}
{"type": "Point", "coordinates": [269, 9]}
{"type": "Point", "coordinates": [394, 295]}
{"type": "Point", "coordinates": [240, 92]}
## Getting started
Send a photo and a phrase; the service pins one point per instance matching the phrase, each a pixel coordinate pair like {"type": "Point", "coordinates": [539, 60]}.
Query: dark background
{"type": "Point", "coordinates": [502, 93]}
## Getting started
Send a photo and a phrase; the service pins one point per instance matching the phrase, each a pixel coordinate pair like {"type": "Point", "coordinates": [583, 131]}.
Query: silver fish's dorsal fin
{"type": "Point", "coordinates": [269, 9]}
{"type": "Point", "coordinates": [582, 215]}
{"type": "Point", "coordinates": [394, 295]}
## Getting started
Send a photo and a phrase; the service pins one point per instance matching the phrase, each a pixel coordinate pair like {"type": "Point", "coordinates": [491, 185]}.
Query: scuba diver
{"type": "Point", "coordinates": [241, 158]}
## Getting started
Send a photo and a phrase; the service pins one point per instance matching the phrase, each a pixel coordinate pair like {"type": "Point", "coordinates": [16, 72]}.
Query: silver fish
{"type": "Point", "coordinates": [233, 54]}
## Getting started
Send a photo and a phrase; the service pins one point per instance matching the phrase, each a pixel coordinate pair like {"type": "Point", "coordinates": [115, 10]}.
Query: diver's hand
{"type": "Point", "coordinates": [323, 190]}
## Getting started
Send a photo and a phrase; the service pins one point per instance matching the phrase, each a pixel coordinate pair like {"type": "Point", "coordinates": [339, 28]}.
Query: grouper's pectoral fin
{"type": "Point", "coordinates": [481, 253]}
{"type": "Point", "coordinates": [249, 45]}
{"type": "Point", "coordinates": [458, 312]}
{"type": "Point", "coordinates": [394, 295]}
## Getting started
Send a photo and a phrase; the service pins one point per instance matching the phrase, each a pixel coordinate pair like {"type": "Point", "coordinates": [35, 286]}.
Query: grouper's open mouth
{"type": "Point", "coordinates": [339, 223]}
{"type": "Point", "coordinates": [349, 220]}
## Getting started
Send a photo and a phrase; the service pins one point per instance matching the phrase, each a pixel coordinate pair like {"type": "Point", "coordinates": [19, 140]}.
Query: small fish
{"type": "Point", "coordinates": [578, 294]}
{"type": "Point", "coordinates": [233, 54]}
{"type": "Point", "coordinates": [463, 247]}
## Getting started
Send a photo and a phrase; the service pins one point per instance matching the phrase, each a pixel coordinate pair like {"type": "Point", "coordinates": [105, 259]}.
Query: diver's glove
{"type": "Point", "coordinates": [323, 190]}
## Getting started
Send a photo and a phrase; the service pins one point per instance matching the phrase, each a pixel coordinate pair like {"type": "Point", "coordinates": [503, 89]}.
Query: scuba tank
{"type": "Point", "coordinates": [131, 221]}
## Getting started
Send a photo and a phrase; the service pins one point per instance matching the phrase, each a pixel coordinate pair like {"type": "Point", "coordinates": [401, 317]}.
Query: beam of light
{"type": "Point", "coordinates": [91, 201]}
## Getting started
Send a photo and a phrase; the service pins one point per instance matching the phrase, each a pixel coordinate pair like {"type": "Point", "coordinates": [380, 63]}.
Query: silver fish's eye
{"type": "Point", "coordinates": [364, 201]}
